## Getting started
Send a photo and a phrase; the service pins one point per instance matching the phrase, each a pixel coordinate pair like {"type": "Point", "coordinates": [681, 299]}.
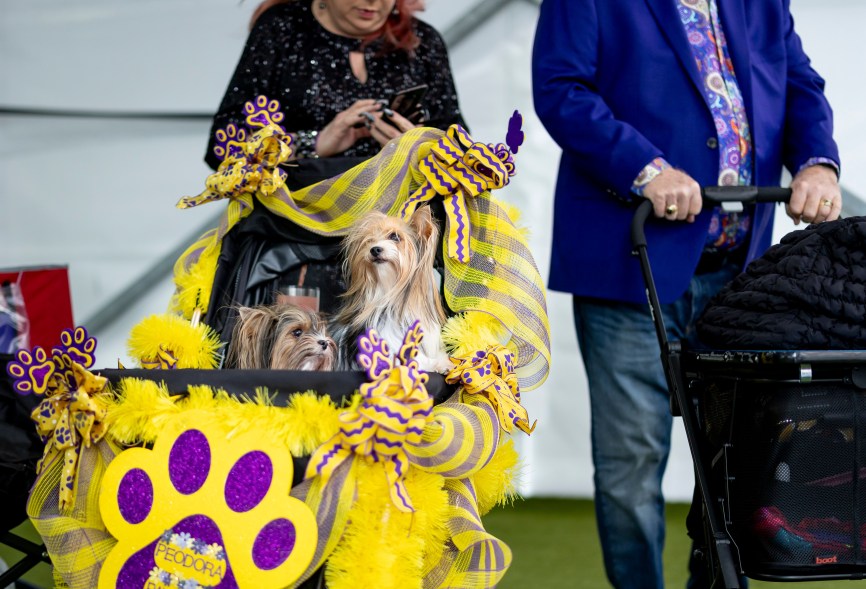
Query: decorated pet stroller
{"type": "Point", "coordinates": [178, 474]}
{"type": "Point", "coordinates": [777, 441]}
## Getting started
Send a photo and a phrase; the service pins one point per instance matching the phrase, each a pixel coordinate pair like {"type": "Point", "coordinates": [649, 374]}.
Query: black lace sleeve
{"type": "Point", "coordinates": [252, 77]}
{"type": "Point", "coordinates": [441, 99]}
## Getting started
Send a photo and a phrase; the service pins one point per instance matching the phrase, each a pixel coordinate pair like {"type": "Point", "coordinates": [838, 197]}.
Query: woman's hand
{"type": "Point", "coordinates": [675, 195]}
{"type": "Point", "coordinates": [383, 131]}
{"type": "Point", "coordinates": [815, 195]}
{"type": "Point", "coordinates": [346, 128]}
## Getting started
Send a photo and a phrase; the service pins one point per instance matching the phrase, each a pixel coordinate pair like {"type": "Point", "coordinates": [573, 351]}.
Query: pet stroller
{"type": "Point", "coordinates": [776, 437]}
{"type": "Point", "coordinates": [194, 462]}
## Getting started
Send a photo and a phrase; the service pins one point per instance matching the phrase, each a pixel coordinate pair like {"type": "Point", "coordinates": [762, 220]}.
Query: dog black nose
{"type": "Point", "coordinates": [324, 344]}
{"type": "Point", "coordinates": [375, 251]}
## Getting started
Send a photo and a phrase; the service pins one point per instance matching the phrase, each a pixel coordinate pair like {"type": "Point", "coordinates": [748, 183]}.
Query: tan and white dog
{"type": "Point", "coordinates": [388, 267]}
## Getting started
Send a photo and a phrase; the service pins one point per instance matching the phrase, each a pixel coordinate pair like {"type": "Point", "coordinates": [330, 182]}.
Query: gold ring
{"type": "Point", "coordinates": [827, 202]}
{"type": "Point", "coordinates": [671, 209]}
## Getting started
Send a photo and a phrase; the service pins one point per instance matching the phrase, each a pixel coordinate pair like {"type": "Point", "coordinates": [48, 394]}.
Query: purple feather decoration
{"type": "Point", "coordinates": [515, 136]}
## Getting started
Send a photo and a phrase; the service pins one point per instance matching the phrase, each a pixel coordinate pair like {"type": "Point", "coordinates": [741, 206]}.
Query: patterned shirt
{"type": "Point", "coordinates": [700, 18]}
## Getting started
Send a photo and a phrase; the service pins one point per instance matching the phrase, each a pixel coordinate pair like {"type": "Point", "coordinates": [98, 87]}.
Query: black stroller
{"type": "Point", "coordinates": [776, 437]}
{"type": "Point", "coordinates": [20, 449]}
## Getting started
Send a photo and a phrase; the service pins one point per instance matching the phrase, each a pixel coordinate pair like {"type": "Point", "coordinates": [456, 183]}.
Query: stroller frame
{"type": "Point", "coordinates": [682, 367]}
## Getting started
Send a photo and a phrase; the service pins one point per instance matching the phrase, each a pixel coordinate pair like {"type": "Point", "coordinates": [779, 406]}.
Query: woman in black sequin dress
{"type": "Point", "coordinates": [328, 62]}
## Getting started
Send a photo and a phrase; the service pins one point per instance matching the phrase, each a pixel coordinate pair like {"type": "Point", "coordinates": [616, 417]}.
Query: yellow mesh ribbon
{"type": "Point", "coordinates": [474, 559]}
{"type": "Point", "coordinates": [491, 373]}
{"type": "Point", "coordinates": [76, 539]}
{"type": "Point", "coordinates": [493, 272]}
{"type": "Point", "coordinates": [68, 419]}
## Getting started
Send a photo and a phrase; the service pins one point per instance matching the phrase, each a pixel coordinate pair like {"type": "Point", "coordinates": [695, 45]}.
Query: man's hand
{"type": "Point", "coordinates": [675, 195]}
{"type": "Point", "coordinates": [815, 195]}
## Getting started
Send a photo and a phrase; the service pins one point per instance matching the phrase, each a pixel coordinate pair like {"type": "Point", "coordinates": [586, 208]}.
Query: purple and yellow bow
{"type": "Point", "coordinates": [456, 168]}
{"type": "Point", "coordinates": [393, 411]}
{"type": "Point", "coordinates": [69, 415]}
{"type": "Point", "coordinates": [250, 160]}
{"type": "Point", "coordinates": [491, 373]}
{"type": "Point", "coordinates": [68, 418]}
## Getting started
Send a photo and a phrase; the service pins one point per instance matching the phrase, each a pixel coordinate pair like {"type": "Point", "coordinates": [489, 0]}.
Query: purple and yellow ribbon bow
{"type": "Point", "coordinates": [393, 411]}
{"type": "Point", "coordinates": [457, 168]}
{"type": "Point", "coordinates": [491, 373]}
{"type": "Point", "coordinates": [67, 419]}
{"type": "Point", "coordinates": [69, 416]}
{"type": "Point", "coordinates": [250, 161]}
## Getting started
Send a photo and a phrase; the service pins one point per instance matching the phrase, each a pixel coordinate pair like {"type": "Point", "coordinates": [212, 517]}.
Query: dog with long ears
{"type": "Point", "coordinates": [280, 337]}
{"type": "Point", "coordinates": [388, 266]}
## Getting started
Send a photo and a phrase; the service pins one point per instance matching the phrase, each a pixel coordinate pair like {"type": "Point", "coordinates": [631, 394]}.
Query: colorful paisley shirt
{"type": "Point", "coordinates": [700, 19]}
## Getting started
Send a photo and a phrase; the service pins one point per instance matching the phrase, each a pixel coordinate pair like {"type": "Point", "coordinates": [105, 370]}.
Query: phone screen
{"type": "Point", "coordinates": [407, 102]}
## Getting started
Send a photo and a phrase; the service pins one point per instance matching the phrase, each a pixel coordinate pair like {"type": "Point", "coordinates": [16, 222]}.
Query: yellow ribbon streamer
{"type": "Point", "coordinates": [491, 374]}
{"type": "Point", "coordinates": [67, 419]}
{"type": "Point", "coordinates": [456, 168]}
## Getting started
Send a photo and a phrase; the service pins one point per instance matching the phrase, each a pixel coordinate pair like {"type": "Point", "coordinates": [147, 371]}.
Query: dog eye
{"type": "Point", "coordinates": [298, 332]}
{"type": "Point", "coordinates": [394, 237]}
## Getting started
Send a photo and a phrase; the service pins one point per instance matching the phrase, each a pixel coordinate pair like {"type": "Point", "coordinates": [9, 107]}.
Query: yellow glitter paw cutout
{"type": "Point", "coordinates": [201, 511]}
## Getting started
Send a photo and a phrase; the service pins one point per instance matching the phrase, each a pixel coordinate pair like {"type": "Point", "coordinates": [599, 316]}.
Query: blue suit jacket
{"type": "Point", "coordinates": [616, 85]}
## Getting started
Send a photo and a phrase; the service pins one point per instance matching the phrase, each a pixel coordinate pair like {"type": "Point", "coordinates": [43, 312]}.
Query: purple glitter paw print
{"type": "Point", "coordinates": [31, 371]}
{"type": "Point", "coordinates": [205, 511]}
{"type": "Point", "coordinates": [374, 354]}
{"type": "Point", "coordinates": [229, 141]}
{"type": "Point", "coordinates": [78, 345]}
{"type": "Point", "coordinates": [263, 112]}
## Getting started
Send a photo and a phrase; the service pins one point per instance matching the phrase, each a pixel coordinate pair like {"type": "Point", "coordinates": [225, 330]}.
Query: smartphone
{"type": "Point", "coordinates": [407, 102]}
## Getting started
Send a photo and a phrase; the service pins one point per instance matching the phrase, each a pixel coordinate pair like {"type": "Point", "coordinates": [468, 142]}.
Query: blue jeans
{"type": "Point", "coordinates": [631, 423]}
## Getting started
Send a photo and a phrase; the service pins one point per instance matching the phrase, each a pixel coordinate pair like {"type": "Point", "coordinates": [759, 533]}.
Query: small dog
{"type": "Point", "coordinates": [389, 271]}
{"type": "Point", "coordinates": [280, 337]}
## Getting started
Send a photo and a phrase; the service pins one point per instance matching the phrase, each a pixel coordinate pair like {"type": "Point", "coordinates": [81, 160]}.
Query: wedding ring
{"type": "Point", "coordinates": [827, 202]}
{"type": "Point", "coordinates": [671, 209]}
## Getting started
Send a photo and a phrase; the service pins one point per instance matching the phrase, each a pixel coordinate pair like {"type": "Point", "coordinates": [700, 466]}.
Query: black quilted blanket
{"type": "Point", "coordinates": [807, 292]}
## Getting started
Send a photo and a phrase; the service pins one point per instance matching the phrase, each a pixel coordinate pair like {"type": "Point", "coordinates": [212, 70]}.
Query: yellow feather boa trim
{"type": "Point", "coordinates": [170, 341]}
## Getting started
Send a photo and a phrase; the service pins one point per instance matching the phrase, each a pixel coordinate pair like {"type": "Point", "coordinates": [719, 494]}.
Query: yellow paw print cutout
{"type": "Point", "coordinates": [201, 511]}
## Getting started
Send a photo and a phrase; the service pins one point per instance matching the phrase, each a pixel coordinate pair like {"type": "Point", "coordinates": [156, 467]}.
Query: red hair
{"type": "Point", "coordinates": [397, 33]}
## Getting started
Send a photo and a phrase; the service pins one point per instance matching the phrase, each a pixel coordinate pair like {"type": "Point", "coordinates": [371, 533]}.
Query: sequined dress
{"type": "Point", "coordinates": [291, 57]}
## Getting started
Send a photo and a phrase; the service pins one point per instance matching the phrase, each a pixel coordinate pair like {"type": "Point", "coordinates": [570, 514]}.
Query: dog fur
{"type": "Point", "coordinates": [388, 266]}
{"type": "Point", "coordinates": [280, 337]}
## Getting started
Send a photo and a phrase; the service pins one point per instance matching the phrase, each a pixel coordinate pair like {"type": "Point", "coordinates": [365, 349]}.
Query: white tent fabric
{"type": "Point", "coordinates": [99, 194]}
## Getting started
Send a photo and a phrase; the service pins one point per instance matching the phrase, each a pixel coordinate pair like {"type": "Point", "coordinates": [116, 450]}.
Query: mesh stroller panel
{"type": "Point", "coordinates": [788, 464]}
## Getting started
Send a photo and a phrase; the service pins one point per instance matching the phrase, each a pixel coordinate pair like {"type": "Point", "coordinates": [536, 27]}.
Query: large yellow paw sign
{"type": "Point", "coordinates": [201, 510]}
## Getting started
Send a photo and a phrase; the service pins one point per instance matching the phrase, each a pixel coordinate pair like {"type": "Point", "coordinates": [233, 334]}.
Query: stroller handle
{"type": "Point", "coordinates": [714, 195]}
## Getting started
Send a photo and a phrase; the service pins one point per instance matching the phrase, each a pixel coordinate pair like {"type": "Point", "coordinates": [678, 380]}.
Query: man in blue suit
{"type": "Point", "coordinates": [652, 99]}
